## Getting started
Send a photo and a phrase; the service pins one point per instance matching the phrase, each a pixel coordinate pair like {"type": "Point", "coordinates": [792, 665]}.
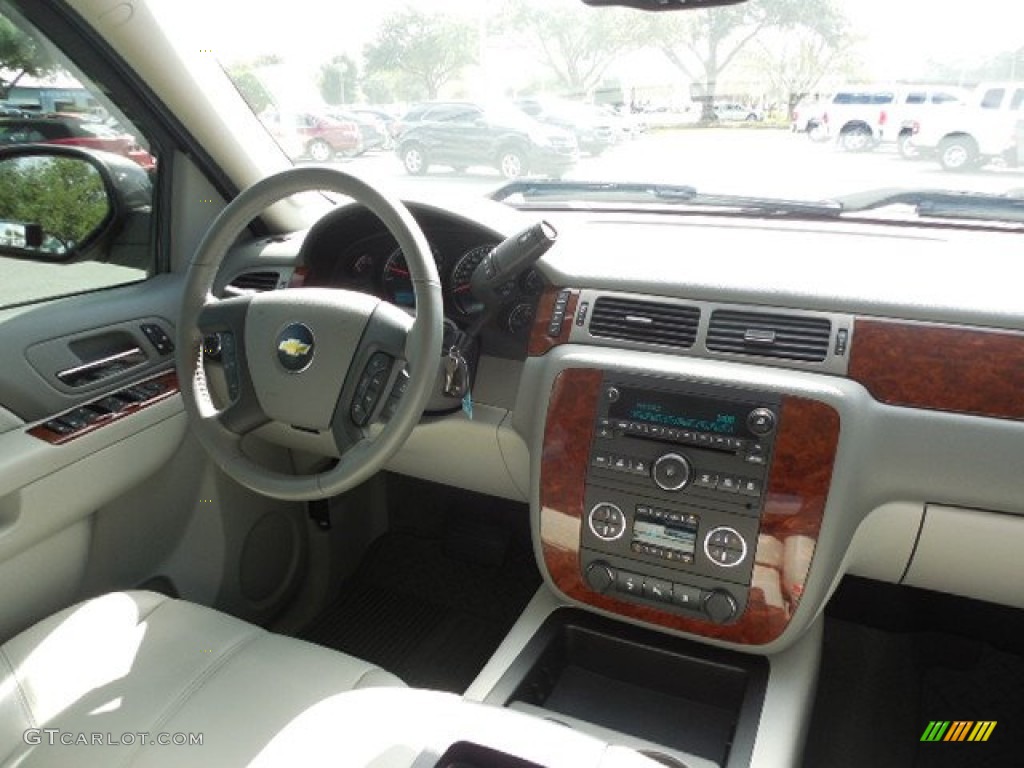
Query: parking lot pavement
{"type": "Point", "coordinates": [772, 163]}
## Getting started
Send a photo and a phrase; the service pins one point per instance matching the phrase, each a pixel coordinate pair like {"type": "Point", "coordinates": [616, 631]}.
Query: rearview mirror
{"type": "Point", "coordinates": [664, 5]}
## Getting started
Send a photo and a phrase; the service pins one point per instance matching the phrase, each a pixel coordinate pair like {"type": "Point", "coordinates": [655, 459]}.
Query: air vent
{"type": "Point", "coordinates": [254, 282]}
{"type": "Point", "coordinates": [791, 337]}
{"type": "Point", "coordinates": [673, 325]}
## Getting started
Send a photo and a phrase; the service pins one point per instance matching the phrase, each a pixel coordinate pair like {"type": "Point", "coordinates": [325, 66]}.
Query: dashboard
{"type": "Point", "coordinates": [353, 250]}
{"type": "Point", "coordinates": [892, 373]}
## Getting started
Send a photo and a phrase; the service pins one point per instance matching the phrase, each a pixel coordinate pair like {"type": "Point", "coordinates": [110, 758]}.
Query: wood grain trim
{"type": "Point", "coordinates": [540, 342]}
{"type": "Point", "coordinates": [943, 368]}
{"type": "Point", "coordinates": [794, 506]}
{"type": "Point", "coordinates": [168, 380]}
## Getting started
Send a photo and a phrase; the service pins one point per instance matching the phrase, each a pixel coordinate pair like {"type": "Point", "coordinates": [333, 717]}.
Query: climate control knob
{"type": "Point", "coordinates": [672, 472]}
{"type": "Point", "coordinates": [600, 576]}
{"type": "Point", "coordinates": [720, 606]}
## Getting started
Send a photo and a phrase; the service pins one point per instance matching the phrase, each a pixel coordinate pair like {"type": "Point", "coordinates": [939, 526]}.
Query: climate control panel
{"type": "Point", "coordinates": [675, 487]}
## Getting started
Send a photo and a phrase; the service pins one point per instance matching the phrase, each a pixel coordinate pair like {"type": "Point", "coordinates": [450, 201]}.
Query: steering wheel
{"type": "Point", "coordinates": [326, 362]}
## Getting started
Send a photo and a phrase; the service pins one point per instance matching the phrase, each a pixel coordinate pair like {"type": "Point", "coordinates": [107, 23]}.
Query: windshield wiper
{"type": "Point", "coordinates": [941, 204]}
{"type": "Point", "coordinates": [539, 192]}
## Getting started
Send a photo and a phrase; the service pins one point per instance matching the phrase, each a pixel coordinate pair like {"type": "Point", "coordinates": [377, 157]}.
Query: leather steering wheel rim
{"type": "Point", "coordinates": [422, 342]}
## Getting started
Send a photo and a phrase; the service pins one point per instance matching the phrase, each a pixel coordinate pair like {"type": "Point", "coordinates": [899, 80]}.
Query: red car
{"type": "Point", "coordinates": [318, 137]}
{"type": "Point", "coordinates": [73, 130]}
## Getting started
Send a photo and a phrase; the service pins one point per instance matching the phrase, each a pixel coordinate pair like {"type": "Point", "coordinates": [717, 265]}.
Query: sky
{"type": "Point", "coordinates": [899, 36]}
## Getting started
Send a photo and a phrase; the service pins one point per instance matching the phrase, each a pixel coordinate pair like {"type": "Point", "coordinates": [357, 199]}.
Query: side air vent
{"type": "Point", "coordinates": [673, 325]}
{"type": "Point", "coordinates": [254, 282]}
{"type": "Point", "coordinates": [791, 337]}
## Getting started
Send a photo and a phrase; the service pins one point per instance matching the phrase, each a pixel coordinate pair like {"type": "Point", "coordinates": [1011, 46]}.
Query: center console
{"type": "Point", "coordinates": [675, 488]}
{"type": "Point", "coordinates": [683, 503]}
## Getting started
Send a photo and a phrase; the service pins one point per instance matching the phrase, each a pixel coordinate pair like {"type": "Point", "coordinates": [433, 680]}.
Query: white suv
{"type": "Point", "coordinates": [984, 129]}
{"type": "Point", "coordinates": [855, 117]}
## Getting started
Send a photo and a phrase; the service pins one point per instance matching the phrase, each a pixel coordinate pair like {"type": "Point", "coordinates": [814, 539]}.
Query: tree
{"type": "Point", "coordinates": [251, 88]}
{"type": "Point", "coordinates": [797, 61]}
{"type": "Point", "coordinates": [703, 43]}
{"type": "Point", "coordinates": [21, 55]}
{"type": "Point", "coordinates": [575, 43]}
{"type": "Point", "coordinates": [64, 195]}
{"type": "Point", "coordinates": [424, 50]}
{"type": "Point", "coordinates": [338, 80]}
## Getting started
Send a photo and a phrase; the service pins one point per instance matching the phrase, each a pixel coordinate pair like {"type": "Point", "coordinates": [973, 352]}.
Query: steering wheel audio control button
{"type": "Point", "coordinates": [370, 387]}
{"type": "Point", "coordinates": [672, 472]}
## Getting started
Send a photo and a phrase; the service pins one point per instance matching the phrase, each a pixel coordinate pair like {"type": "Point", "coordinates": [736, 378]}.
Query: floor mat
{"type": "Point", "coordinates": [426, 610]}
{"type": "Point", "coordinates": [879, 690]}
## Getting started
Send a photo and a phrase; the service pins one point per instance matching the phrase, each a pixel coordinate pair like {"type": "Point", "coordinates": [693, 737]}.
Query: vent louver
{"type": "Point", "coordinates": [790, 337]}
{"type": "Point", "coordinates": [651, 322]}
{"type": "Point", "coordinates": [254, 282]}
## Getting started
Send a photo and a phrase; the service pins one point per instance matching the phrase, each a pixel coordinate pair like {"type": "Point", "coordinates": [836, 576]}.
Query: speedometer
{"type": "Point", "coordinates": [459, 282]}
{"type": "Point", "coordinates": [396, 279]}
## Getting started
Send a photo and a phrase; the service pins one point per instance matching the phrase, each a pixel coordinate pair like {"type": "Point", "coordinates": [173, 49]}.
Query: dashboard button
{"type": "Point", "coordinates": [657, 589]}
{"type": "Point", "coordinates": [706, 480]}
{"type": "Point", "coordinates": [761, 421]}
{"type": "Point", "coordinates": [630, 583]}
{"type": "Point", "coordinates": [728, 484]}
{"type": "Point", "coordinates": [750, 487]}
{"type": "Point", "coordinates": [672, 472]}
{"type": "Point", "coordinates": [606, 521]}
{"type": "Point", "coordinates": [686, 596]}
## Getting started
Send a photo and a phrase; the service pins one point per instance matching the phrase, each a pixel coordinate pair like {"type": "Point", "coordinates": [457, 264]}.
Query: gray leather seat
{"type": "Point", "coordinates": [108, 670]}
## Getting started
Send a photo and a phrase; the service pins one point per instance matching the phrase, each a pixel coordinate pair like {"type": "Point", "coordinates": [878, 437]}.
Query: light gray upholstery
{"type": "Point", "coordinates": [132, 662]}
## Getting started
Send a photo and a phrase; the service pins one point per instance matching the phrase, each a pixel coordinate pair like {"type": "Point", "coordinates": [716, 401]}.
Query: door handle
{"type": "Point", "coordinates": [95, 370]}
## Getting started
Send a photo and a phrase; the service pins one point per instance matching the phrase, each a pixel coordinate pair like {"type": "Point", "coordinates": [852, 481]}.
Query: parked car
{"type": "Point", "coordinates": [316, 136]}
{"type": "Point", "coordinates": [913, 105]}
{"type": "Point", "coordinates": [73, 131]}
{"type": "Point", "coordinates": [388, 119]}
{"type": "Point", "coordinates": [462, 134]}
{"type": "Point", "coordinates": [594, 128]}
{"type": "Point", "coordinates": [809, 117]}
{"type": "Point", "coordinates": [733, 111]}
{"type": "Point", "coordinates": [372, 131]}
{"type": "Point", "coordinates": [980, 130]}
{"type": "Point", "coordinates": [855, 117]}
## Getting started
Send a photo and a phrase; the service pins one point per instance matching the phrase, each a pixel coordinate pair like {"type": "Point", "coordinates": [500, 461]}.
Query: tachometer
{"type": "Point", "coordinates": [458, 285]}
{"type": "Point", "coordinates": [396, 280]}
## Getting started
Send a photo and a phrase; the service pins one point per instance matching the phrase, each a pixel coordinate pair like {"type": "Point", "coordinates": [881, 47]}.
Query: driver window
{"type": "Point", "coordinates": [76, 177]}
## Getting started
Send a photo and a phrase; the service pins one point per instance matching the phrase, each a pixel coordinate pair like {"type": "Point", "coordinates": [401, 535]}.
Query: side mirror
{"type": "Point", "coordinates": [60, 203]}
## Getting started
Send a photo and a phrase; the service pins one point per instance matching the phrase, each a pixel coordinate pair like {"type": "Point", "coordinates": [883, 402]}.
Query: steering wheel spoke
{"type": "Point", "coordinates": [222, 325]}
{"type": "Point", "coordinates": [378, 368]}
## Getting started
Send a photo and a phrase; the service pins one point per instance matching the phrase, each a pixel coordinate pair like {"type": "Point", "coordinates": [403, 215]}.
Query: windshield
{"type": "Point", "coordinates": [808, 100]}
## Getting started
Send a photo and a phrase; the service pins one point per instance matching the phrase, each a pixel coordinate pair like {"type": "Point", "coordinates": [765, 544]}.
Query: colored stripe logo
{"type": "Point", "coordinates": [958, 730]}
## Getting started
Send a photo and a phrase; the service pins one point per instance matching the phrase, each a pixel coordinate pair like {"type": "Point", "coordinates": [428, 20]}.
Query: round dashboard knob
{"type": "Point", "coordinates": [761, 421]}
{"type": "Point", "coordinates": [672, 472]}
{"type": "Point", "coordinates": [600, 576]}
{"type": "Point", "coordinates": [720, 606]}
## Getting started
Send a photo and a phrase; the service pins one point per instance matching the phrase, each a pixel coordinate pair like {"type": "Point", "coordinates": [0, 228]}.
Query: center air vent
{"type": "Point", "coordinates": [673, 325]}
{"type": "Point", "coordinates": [792, 337]}
{"type": "Point", "coordinates": [254, 282]}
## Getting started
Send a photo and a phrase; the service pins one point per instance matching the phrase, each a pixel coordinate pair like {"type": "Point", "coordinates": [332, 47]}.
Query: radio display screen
{"type": "Point", "coordinates": [680, 537]}
{"type": "Point", "coordinates": [719, 417]}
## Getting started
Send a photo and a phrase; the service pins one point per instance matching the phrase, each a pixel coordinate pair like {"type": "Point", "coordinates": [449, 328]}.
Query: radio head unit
{"type": "Point", "coordinates": [674, 493]}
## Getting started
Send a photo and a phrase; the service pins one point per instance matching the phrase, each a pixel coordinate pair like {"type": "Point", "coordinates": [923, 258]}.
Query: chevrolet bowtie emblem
{"type": "Point", "coordinates": [294, 347]}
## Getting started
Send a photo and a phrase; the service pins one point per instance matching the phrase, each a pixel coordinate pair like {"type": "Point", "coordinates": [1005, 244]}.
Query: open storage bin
{"type": "Point", "coordinates": [691, 698]}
